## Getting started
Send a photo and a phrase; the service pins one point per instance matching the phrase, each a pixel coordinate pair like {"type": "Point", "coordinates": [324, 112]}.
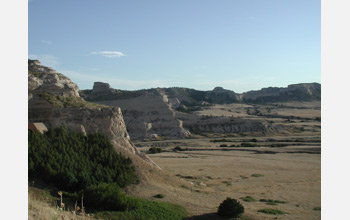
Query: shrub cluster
{"type": "Point", "coordinates": [155, 150]}
{"type": "Point", "coordinates": [72, 161]}
{"type": "Point", "coordinates": [248, 145]}
{"type": "Point", "coordinates": [89, 165]}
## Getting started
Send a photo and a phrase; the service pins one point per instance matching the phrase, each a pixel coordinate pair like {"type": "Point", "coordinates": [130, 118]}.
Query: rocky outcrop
{"type": "Point", "coordinates": [147, 116]}
{"type": "Point", "coordinates": [151, 114]}
{"type": "Point", "coordinates": [45, 79]}
{"type": "Point", "coordinates": [224, 125]}
{"type": "Point", "coordinates": [294, 92]}
{"type": "Point", "coordinates": [49, 95]}
{"type": "Point", "coordinates": [101, 87]}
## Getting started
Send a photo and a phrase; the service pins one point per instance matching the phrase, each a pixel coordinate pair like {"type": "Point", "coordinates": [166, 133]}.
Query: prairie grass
{"type": "Point", "coordinates": [272, 211]}
{"type": "Point", "coordinates": [248, 199]}
{"type": "Point", "coordinates": [43, 206]}
{"type": "Point", "coordinates": [257, 175]}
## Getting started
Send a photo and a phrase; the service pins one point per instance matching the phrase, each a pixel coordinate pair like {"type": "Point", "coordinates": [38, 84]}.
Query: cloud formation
{"type": "Point", "coordinates": [110, 54]}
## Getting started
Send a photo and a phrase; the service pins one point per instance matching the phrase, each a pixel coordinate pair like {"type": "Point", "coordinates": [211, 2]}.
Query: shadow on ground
{"type": "Point", "coordinates": [208, 216]}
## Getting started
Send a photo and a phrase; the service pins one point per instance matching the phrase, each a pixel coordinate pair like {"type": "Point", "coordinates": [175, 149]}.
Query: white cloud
{"type": "Point", "coordinates": [110, 54]}
{"type": "Point", "coordinates": [48, 60]}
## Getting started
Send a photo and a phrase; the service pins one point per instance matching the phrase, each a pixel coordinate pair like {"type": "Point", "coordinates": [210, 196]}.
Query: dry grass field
{"type": "Point", "coordinates": [284, 167]}
{"type": "Point", "coordinates": [280, 171]}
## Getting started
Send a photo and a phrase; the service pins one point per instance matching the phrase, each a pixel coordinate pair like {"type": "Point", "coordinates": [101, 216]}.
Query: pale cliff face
{"type": "Point", "coordinates": [54, 100]}
{"type": "Point", "coordinates": [45, 79]}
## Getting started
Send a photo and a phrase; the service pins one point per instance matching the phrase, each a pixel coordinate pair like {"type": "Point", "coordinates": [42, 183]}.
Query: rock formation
{"type": "Point", "coordinates": [164, 112]}
{"type": "Point", "coordinates": [294, 92]}
{"type": "Point", "coordinates": [148, 115]}
{"type": "Point", "coordinates": [55, 101]}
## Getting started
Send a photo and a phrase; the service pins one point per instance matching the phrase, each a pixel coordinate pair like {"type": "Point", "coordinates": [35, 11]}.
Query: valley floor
{"type": "Point", "coordinates": [203, 175]}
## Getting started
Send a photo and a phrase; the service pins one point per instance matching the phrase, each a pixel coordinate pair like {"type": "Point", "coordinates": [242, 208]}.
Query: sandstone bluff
{"type": "Point", "coordinates": [54, 100]}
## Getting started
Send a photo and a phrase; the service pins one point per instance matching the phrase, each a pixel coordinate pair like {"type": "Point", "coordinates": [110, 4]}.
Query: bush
{"type": "Point", "coordinates": [105, 197]}
{"type": "Point", "coordinates": [178, 148]}
{"type": "Point", "coordinates": [155, 150]}
{"type": "Point", "coordinates": [141, 209]}
{"type": "Point", "coordinates": [248, 145]}
{"type": "Point", "coordinates": [159, 196]}
{"type": "Point", "coordinates": [230, 208]}
{"type": "Point", "coordinates": [72, 161]}
{"type": "Point", "coordinates": [248, 199]}
{"type": "Point", "coordinates": [272, 211]}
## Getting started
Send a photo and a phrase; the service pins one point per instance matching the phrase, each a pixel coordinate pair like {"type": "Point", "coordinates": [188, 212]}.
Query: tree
{"type": "Point", "coordinates": [230, 208]}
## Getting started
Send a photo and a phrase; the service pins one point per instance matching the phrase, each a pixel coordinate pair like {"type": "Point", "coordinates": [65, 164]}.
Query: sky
{"type": "Point", "coordinates": [240, 45]}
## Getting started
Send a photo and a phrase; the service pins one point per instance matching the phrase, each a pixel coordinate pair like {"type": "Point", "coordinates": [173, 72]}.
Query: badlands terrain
{"type": "Point", "coordinates": [261, 147]}
{"type": "Point", "coordinates": [284, 166]}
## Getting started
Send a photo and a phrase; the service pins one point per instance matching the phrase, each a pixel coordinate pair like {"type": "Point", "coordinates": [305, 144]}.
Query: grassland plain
{"type": "Point", "coordinates": [283, 167]}
{"type": "Point", "coordinates": [202, 177]}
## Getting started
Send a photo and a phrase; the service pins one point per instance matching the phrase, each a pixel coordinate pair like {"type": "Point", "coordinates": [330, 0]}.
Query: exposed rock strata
{"type": "Point", "coordinates": [45, 82]}
{"type": "Point", "coordinates": [146, 116]}
{"type": "Point", "coordinates": [151, 114]}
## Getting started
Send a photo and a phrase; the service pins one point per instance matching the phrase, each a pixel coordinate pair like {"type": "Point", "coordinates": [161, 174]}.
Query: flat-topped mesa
{"type": "Point", "coordinates": [220, 89]}
{"type": "Point", "coordinates": [44, 79]}
{"type": "Point", "coordinates": [294, 92]}
{"type": "Point", "coordinates": [101, 87]}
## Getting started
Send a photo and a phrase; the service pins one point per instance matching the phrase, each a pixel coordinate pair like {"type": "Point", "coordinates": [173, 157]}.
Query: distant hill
{"type": "Point", "coordinates": [155, 113]}
{"type": "Point", "coordinates": [191, 97]}
{"type": "Point", "coordinates": [294, 92]}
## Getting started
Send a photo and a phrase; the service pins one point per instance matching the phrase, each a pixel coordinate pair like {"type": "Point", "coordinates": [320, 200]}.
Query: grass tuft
{"type": "Point", "coordinates": [159, 196]}
{"type": "Point", "coordinates": [257, 175]}
{"type": "Point", "coordinates": [272, 202]}
{"type": "Point", "coordinates": [272, 211]}
{"type": "Point", "coordinates": [248, 199]}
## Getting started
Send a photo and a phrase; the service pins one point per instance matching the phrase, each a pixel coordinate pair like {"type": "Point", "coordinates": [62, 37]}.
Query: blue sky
{"type": "Point", "coordinates": [240, 45]}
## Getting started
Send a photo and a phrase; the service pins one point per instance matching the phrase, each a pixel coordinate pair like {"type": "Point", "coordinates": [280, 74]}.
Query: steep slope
{"type": "Point", "coordinates": [54, 100]}
{"type": "Point", "coordinates": [166, 112]}
{"type": "Point", "coordinates": [148, 114]}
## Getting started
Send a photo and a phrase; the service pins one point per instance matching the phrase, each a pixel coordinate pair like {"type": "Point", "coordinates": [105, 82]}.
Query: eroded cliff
{"type": "Point", "coordinates": [54, 100]}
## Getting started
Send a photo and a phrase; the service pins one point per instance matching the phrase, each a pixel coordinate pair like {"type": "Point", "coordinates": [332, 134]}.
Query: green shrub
{"type": "Point", "coordinates": [272, 211]}
{"type": "Point", "coordinates": [141, 209]}
{"type": "Point", "coordinates": [248, 145]}
{"type": "Point", "coordinates": [317, 208]}
{"type": "Point", "coordinates": [272, 202]}
{"type": "Point", "coordinates": [230, 208]}
{"type": "Point", "coordinates": [178, 148]}
{"type": "Point", "coordinates": [159, 196]}
{"type": "Point", "coordinates": [223, 145]}
{"type": "Point", "coordinates": [105, 197]}
{"type": "Point", "coordinates": [257, 175]}
{"type": "Point", "coordinates": [72, 161]}
{"type": "Point", "coordinates": [228, 183]}
{"type": "Point", "coordinates": [155, 150]}
{"type": "Point", "coordinates": [248, 199]}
